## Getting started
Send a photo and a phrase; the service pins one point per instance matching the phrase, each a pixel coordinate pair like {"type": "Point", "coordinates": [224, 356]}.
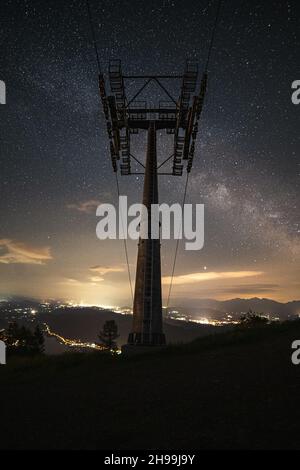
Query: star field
{"type": "Point", "coordinates": [55, 157]}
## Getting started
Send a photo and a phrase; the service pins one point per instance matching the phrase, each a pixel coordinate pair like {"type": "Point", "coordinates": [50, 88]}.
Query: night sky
{"type": "Point", "coordinates": [55, 164]}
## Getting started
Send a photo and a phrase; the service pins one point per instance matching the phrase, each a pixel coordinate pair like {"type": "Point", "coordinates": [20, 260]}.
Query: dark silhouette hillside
{"type": "Point", "coordinates": [229, 391]}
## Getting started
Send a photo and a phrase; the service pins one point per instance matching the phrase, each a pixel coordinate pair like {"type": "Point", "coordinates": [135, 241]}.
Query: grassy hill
{"type": "Point", "coordinates": [230, 391]}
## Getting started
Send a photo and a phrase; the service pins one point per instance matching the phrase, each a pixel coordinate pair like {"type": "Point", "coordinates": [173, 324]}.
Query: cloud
{"type": "Point", "coordinates": [13, 252]}
{"type": "Point", "coordinates": [209, 276]}
{"type": "Point", "coordinates": [254, 289]}
{"type": "Point", "coordinates": [102, 270]}
{"type": "Point", "coordinates": [96, 276]}
{"type": "Point", "coordinates": [71, 282]}
{"type": "Point", "coordinates": [96, 279]}
{"type": "Point", "coordinates": [87, 207]}
{"type": "Point", "coordinates": [84, 283]}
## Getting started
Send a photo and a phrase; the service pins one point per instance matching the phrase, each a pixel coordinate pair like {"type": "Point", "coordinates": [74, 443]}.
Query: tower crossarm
{"type": "Point", "coordinates": [125, 117]}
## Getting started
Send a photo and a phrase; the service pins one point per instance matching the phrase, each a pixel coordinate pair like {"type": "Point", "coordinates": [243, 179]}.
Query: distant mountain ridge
{"type": "Point", "coordinates": [210, 308]}
{"type": "Point", "coordinates": [217, 308]}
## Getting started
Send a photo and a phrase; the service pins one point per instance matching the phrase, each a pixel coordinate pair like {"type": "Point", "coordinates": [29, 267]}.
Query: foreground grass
{"type": "Point", "coordinates": [234, 390]}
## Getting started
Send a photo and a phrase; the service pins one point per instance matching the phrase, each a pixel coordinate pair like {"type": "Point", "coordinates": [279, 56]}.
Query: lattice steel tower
{"type": "Point", "coordinates": [125, 117]}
